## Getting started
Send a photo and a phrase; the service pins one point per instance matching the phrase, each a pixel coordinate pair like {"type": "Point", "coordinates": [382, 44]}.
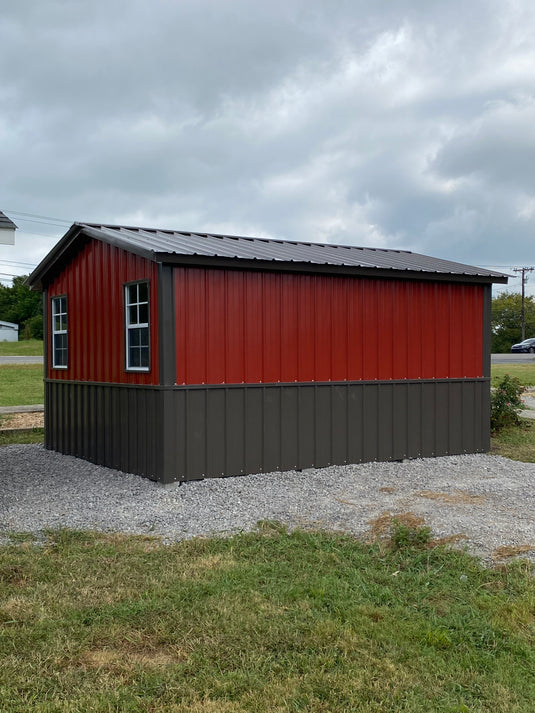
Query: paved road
{"type": "Point", "coordinates": [21, 359]}
{"type": "Point", "coordinates": [512, 358]}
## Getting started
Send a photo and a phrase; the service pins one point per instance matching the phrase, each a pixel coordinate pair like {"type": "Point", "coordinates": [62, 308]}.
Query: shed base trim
{"type": "Point", "coordinates": [182, 433]}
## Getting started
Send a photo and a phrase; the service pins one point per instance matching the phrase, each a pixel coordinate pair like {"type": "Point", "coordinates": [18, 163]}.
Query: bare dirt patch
{"type": "Point", "coordinates": [454, 498]}
{"type": "Point", "coordinates": [23, 420]}
{"type": "Point", "coordinates": [381, 526]}
{"type": "Point", "coordinates": [506, 551]}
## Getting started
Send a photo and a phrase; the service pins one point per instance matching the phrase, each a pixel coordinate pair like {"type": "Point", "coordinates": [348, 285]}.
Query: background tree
{"type": "Point", "coordinates": [18, 304]}
{"type": "Point", "coordinates": [506, 328]}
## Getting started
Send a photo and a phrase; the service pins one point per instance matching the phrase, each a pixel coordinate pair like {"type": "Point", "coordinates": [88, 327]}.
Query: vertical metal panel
{"type": "Point", "coordinates": [369, 330]}
{"type": "Point", "coordinates": [306, 425]}
{"type": "Point", "coordinates": [339, 435]}
{"type": "Point", "coordinates": [289, 428]}
{"type": "Point", "coordinates": [355, 425]}
{"type": "Point", "coordinates": [371, 426]}
{"type": "Point", "coordinates": [355, 333]}
{"type": "Point", "coordinates": [323, 328]}
{"type": "Point", "coordinates": [216, 437]}
{"type": "Point", "coordinates": [235, 431]}
{"type": "Point", "coordinates": [339, 327]}
{"type": "Point", "coordinates": [195, 337]}
{"type": "Point", "coordinates": [414, 331]}
{"type": "Point", "coordinates": [93, 282]}
{"type": "Point", "coordinates": [430, 340]}
{"type": "Point", "coordinates": [271, 318]}
{"type": "Point", "coordinates": [248, 327]}
{"type": "Point", "coordinates": [253, 337]}
{"type": "Point", "coordinates": [323, 426]}
{"type": "Point", "coordinates": [399, 336]}
{"type": "Point", "coordinates": [306, 327]}
{"type": "Point", "coordinates": [486, 336]}
{"type": "Point", "coordinates": [235, 332]}
{"type": "Point", "coordinates": [289, 328]}
{"type": "Point", "coordinates": [166, 326]}
{"type": "Point", "coordinates": [184, 433]}
{"type": "Point", "coordinates": [427, 422]}
{"type": "Point", "coordinates": [441, 418]}
{"type": "Point", "coordinates": [196, 433]}
{"type": "Point", "coordinates": [385, 422]}
{"type": "Point", "coordinates": [254, 429]}
{"type": "Point", "coordinates": [272, 428]}
{"type": "Point", "coordinates": [400, 408]}
{"type": "Point", "coordinates": [456, 425]}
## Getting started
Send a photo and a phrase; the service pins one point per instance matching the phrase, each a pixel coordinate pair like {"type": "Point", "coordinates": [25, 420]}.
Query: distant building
{"type": "Point", "coordinates": [7, 230]}
{"type": "Point", "coordinates": [9, 332]}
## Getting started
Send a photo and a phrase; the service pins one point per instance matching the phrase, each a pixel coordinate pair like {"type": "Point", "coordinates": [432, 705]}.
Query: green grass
{"type": "Point", "coordinates": [36, 435]}
{"type": "Point", "coordinates": [309, 622]}
{"type": "Point", "coordinates": [516, 442]}
{"type": "Point", "coordinates": [26, 347]}
{"type": "Point", "coordinates": [21, 384]}
{"type": "Point", "coordinates": [525, 373]}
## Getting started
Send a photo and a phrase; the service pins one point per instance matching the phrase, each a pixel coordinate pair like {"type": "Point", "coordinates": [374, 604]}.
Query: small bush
{"type": "Point", "coordinates": [403, 536]}
{"type": "Point", "coordinates": [505, 403]}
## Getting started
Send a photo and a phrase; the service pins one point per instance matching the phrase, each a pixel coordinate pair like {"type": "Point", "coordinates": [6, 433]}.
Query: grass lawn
{"type": "Point", "coordinates": [517, 443]}
{"type": "Point", "coordinates": [21, 384]}
{"type": "Point", "coordinates": [26, 347]}
{"type": "Point", "coordinates": [269, 621]}
{"type": "Point", "coordinates": [36, 435]}
{"type": "Point", "coordinates": [525, 373]}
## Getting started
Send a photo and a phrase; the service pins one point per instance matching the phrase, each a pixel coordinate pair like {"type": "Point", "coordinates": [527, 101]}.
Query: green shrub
{"type": "Point", "coordinates": [404, 536]}
{"type": "Point", "coordinates": [505, 403]}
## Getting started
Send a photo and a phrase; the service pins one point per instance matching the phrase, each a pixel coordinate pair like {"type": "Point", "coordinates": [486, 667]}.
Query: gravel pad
{"type": "Point", "coordinates": [488, 499]}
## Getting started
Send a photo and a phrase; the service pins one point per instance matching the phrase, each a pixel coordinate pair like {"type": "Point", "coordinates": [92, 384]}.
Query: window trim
{"type": "Point", "coordinates": [53, 330]}
{"type": "Point", "coordinates": [127, 326]}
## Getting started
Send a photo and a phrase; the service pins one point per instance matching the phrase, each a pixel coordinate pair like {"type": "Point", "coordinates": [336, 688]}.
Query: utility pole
{"type": "Point", "coordinates": [523, 271]}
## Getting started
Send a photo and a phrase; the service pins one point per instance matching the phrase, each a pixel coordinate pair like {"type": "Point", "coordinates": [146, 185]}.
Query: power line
{"type": "Point", "coordinates": [34, 215]}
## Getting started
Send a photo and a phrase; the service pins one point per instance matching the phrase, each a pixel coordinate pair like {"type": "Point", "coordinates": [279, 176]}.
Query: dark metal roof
{"type": "Point", "coordinates": [6, 222]}
{"type": "Point", "coordinates": [182, 247]}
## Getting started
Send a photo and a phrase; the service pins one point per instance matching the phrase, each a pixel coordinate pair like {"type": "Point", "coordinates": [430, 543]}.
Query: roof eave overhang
{"type": "Point", "coordinates": [324, 269]}
{"type": "Point", "coordinates": [68, 245]}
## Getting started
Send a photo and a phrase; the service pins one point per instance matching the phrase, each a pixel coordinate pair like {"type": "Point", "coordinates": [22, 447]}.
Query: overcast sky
{"type": "Point", "coordinates": [403, 124]}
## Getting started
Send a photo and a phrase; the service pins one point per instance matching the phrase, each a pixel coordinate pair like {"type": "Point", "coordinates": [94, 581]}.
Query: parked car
{"type": "Point", "coordinates": [528, 345]}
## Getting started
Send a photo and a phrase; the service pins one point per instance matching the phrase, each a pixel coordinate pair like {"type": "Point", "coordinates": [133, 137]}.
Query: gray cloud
{"type": "Point", "coordinates": [409, 125]}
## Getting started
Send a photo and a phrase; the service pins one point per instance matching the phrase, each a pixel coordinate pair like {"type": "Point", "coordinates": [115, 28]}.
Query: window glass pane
{"type": "Point", "coordinates": [134, 357]}
{"type": "Point", "coordinates": [63, 304]}
{"type": "Point", "coordinates": [144, 356]}
{"type": "Point", "coordinates": [57, 323]}
{"type": "Point", "coordinates": [143, 292]}
{"type": "Point", "coordinates": [132, 314]}
{"type": "Point", "coordinates": [132, 294]}
{"type": "Point", "coordinates": [143, 313]}
{"type": "Point", "coordinates": [144, 336]}
{"type": "Point", "coordinates": [134, 337]}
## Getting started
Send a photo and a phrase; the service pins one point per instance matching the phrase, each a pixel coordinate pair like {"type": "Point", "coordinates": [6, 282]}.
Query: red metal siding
{"type": "Point", "coordinates": [93, 282]}
{"type": "Point", "coordinates": [254, 327]}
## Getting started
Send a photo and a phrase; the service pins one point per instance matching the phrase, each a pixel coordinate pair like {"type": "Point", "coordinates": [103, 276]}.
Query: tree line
{"type": "Point", "coordinates": [506, 320]}
{"type": "Point", "coordinates": [22, 306]}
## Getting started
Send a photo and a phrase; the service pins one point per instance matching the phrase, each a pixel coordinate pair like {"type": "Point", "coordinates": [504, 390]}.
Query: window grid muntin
{"type": "Point", "coordinates": [60, 353]}
{"type": "Point", "coordinates": [137, 326]}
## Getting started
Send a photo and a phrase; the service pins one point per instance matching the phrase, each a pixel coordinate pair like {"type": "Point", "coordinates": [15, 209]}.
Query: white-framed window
{"type": "Point", "coordinates": [59, 332]}
{"type": "Point", "coordinates": [137, 326]}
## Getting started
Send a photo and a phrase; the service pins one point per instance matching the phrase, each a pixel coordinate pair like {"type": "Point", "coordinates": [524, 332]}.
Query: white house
{"type": "Point", "coordinates": [9, 332]}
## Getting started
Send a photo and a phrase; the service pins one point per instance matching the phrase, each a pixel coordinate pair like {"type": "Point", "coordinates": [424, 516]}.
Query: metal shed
{"type": "Point", "coordinates": [180, 355]}
{"type": "Point", "coordinates": [9, 331]}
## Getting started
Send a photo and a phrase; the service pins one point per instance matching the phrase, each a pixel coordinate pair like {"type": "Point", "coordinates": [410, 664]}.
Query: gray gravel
{"type": "Point", "coordinates": [489, 499]}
